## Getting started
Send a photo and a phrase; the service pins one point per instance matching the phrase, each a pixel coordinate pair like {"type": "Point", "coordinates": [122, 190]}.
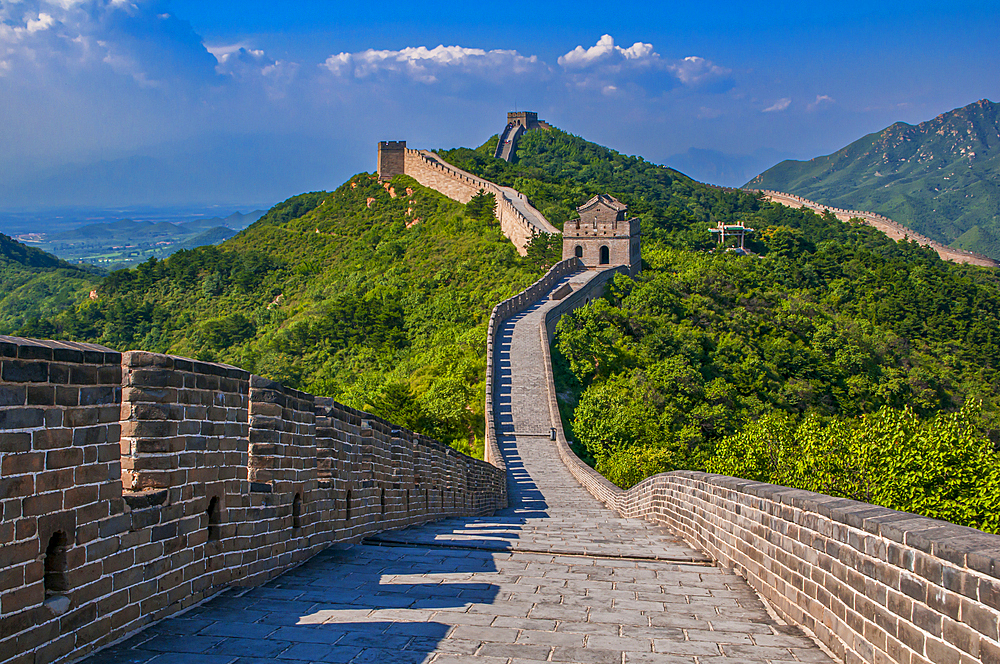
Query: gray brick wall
{"type": "Point", "coordinates": [172, 479]}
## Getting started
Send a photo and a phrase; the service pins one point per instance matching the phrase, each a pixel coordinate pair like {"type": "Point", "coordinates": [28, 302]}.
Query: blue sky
{"type": "Point", "coordinates": [176, 102]}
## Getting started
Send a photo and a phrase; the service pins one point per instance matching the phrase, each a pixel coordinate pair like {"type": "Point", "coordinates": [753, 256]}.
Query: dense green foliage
{"type": "Point", "coordinates": [375, 298]}
{"type": "Point", "coordinates": [941, 467]}
{"type": "Point", "coordinates": [558, 171]}
{"type": "Point", "coordinates": [34, 284]}
{"type": "Point", "coordinates": [830, 322]}
{"type": "Point", "coordinates": [938, 178]}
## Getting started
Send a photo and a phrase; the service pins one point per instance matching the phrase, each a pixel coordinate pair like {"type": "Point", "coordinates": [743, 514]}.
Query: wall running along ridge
{"type": "Point", "coordinates": [519, 220]}
{"type": "Point", "coordinates": [872, 584]}
{"type": "Point", "coordinates": [135, 485]}
{"type": "Point", "coordinates": [893, 229]}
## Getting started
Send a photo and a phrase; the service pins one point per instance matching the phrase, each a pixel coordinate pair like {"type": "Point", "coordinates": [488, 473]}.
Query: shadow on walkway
{"type": "Point", "coordinates": [359, 604]}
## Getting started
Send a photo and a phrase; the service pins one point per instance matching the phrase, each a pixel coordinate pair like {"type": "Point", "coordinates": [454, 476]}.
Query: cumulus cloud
{"type": "Point", "coordinates": [428, 65]}
{"type": "Point", "coordinates": [129, 38]}
{"type": "Point", "coordinates": [779, 105]}
{"type": "Point", "coordinates": [604, 50]}
{"type": "Point", "coordinates": [96, 80]}
{"type": "Point", "coordinates": [606, 65]}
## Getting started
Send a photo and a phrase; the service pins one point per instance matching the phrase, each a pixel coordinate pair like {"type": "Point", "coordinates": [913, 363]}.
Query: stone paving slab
{"type": "Point", "coordinates": [556, 577]}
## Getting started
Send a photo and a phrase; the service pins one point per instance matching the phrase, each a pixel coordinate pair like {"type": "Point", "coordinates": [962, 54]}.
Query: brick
{"type": "Point", "coordinates": [47, 439]}
{"type": "Point", "coordinates": [41, 395]}
{"type": "Point", "coordinates": [12, 443]}
{"type": "Point", "coordinates": [20, 464]}
{"type": "Point", "coordinates": [16, 487]}
{"type": "Point", "coordinates": [92, 396]}
{"type": "Point", "coordinates": [54, 480]}
{"type": "Point", "coordinates": [13, 395]}
{"type": "Point", "coordinates": [65, 458]}
{"type": "Point", "coordinates": [22, 598]}
{"type": "Point", "coordinates": [21, 418]}
{"type": "Point", "coordinates": [16, 371]}
{"type": "Point", "coordinates": [981, 619]}
{"type": "Point", "coordinates": [83, 375]}
{"type": "Point", "coordinates": [42, 503]}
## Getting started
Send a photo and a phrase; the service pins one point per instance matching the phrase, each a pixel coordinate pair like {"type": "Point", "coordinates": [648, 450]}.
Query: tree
{"type": "Point", "coordinates": [481, 207]}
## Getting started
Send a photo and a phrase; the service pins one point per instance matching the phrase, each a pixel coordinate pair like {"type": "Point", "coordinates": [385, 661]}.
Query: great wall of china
{"type": "Point", "coordinates": [135, 487]}
{"type": "Point", "coordinates": [519, 220]}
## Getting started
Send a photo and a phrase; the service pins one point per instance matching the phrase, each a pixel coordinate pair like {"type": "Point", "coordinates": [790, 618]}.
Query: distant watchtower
{"type": "Point", "coordinates": [391, 159]}
{"type": "Point", "coordinates": [603, 236]}
{"type": "Point", "coordinates": [526, 119]}
{"type": "Point", "coordinates": [518, 122]}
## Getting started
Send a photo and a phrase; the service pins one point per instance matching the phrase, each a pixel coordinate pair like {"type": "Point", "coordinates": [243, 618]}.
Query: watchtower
{"type": "Point", "coordinates": [391, 159]}
{"type": "Point", "coordinates": [602, 236]}
{"type": "Point", "coordinates": [526, 119]}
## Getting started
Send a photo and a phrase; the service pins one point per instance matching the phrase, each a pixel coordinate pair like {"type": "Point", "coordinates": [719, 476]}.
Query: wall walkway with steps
{"type": "Point", "coordinates": [555, 577]}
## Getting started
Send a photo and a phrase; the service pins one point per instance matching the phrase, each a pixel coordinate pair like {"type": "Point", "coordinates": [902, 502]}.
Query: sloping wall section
{"type": "Point", "coordinates": [519, 220]}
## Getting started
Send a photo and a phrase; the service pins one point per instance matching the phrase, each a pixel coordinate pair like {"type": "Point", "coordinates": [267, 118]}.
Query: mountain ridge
{"type": "Point", "coordinates": [938, 177]}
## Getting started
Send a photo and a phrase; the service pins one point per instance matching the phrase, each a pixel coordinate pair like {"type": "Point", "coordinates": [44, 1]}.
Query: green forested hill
{"type": "Point", "coordinates": [829, 357]}
{"type": "Point", "coordinates": [941, 177]}
{"type": "Point", "coordinates": [34, 283]}
{"type": "Point", "coordinates": [377, 300]}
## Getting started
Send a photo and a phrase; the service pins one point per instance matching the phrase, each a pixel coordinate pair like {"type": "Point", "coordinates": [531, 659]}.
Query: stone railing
{"type": "Point", "coordinates": [135, 485]}
{"type": "Point", "coordinates": [872, 584]}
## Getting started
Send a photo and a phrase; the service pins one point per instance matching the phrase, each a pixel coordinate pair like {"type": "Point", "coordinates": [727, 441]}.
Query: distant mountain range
{"type": "Point", "coordinates": [722, 168]}
{"type": "Point", "coordinates": [125, 242]}
{"type": "Point", "coordinates": [941, 177]}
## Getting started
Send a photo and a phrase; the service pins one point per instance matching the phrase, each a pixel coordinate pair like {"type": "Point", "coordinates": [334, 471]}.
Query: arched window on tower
{"type": "Point", "coordinates": [578, 252]}
{"type": "Point", "coordinates": [605, 255]}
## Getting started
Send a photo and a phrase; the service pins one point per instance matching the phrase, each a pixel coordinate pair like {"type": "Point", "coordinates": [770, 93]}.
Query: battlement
{"type": "Point", "coordinates": [135, 485]}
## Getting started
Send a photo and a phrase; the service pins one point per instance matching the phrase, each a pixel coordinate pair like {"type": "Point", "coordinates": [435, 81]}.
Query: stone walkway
{"type": "Point", "coordinates": [556, 577]}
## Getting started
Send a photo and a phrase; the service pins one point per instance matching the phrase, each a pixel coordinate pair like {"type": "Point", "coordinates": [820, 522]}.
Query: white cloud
{"type": "Point", "coordinates": [428, 65]}
{"type": "Point", "coordinates": [606, 64]}
{"type": "Point", "coordinates": [821, 100]}
{"type": "Point", "coordinates": [43, 22]}
{"type": "Point", "coordinates": [779, 105]}
{"type": "Point", "coordinates": [604, 50]}
{"type": "Point", "coordinates": [693, 70]}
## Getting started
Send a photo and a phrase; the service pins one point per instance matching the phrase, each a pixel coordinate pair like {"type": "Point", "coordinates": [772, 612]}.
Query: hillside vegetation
{"type": "Point", "coordinates": [941, 177]}
{"type": "Point", "coordinates": [832, 359]}
{"type": "Point", "coordinates": [368, 294]}
{"type": "Point", "coordinates": [36, 284]}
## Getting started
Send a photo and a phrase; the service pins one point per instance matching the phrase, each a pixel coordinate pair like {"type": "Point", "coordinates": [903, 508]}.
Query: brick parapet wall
{"type": "Point", "coordinates": [873, 584]}
{"type": "Point", "coordinates": [230, 479]}
{"type": "Point", "coordinates": [431, 171]}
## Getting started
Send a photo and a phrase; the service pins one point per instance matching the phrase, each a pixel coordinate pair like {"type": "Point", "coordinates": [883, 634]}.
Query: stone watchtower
{"type": "Point", "coordinates": [602, 236]}
{"type": "Point", "coordinates": [391, 159]}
